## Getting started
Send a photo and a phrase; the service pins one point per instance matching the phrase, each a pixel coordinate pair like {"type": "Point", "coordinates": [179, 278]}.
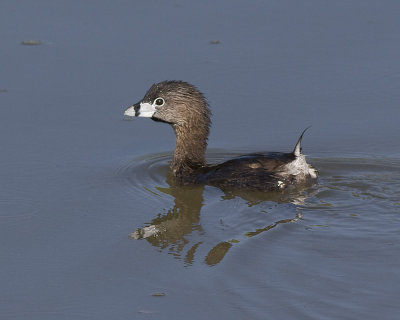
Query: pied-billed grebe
{"type": "Point", "coordinates": [184, 107]}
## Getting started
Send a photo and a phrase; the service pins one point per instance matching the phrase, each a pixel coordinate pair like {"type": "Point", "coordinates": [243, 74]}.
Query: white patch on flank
{"type": "Point", "coordinates": [312, 172]}
{"type": "Point", "coordinates": [299, 166]}
{"type": "Point", "coordinates": [146, 110]}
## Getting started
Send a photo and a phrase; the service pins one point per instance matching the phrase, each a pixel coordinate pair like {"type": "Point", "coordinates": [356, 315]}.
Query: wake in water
{"type": "Point", "coordinates": [199, 221]}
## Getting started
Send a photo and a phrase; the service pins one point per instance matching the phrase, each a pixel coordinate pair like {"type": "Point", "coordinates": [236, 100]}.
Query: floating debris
{"type": "Point", "coordinates": [147, 311]}
{"type": "Point", "coordinates": [215, 42]}
{"type": "Point", "coordinates": [158, 294]}
{"type": "Point", "coordinates": [31, 43]}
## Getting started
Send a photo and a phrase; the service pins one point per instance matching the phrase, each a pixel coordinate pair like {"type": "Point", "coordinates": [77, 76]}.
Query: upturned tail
{"type": "Point", "coordinates": [297, 148]}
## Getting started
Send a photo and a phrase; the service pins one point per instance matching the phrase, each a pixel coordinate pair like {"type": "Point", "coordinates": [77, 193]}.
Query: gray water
{"type": "Point", "coordinates": [93, 227]}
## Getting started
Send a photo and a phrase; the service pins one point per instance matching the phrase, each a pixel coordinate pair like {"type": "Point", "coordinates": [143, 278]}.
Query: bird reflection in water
{"type": "Point", "coordinates": [169, 231]}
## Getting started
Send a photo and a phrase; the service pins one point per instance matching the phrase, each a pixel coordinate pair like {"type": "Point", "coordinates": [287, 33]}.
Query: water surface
{"type": "Point", "coordinates": [93, 227]}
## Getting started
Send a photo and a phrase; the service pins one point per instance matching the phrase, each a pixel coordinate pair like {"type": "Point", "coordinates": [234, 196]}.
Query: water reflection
{"type": "Point", "coordinates": [170, 230]}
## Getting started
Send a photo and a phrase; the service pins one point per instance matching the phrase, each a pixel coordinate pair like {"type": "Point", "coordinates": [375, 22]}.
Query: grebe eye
{"type": "Point", "coordinates": [159, 101]}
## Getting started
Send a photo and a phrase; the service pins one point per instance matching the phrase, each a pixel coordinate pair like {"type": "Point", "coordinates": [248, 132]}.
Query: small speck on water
{"type": "Point", "coordinates": [215, 42]}
{"type": "Point", "coordinates": [158, 294]}
{"type": "Point", "coordinates": [31, 42]}
{"type": "Point", "coordinates": [3, 90]}
{"type": "Point", "coordinates": [147, 311]}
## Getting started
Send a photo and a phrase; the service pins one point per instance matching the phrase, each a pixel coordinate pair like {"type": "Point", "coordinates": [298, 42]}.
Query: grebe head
{"type": "Point", "coordinates": [175, 102]}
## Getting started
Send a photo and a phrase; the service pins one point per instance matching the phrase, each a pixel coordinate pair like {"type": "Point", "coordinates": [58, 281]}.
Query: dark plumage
{"type": "Point", "coordinates": [184, 107]}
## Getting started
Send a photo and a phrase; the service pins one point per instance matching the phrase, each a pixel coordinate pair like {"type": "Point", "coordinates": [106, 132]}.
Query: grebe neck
{"type": "Point", "coordinates": [190, 149]}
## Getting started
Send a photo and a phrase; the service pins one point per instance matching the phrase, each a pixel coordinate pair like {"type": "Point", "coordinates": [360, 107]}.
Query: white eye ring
{"type": "Point", "coordinates": [159, 102]}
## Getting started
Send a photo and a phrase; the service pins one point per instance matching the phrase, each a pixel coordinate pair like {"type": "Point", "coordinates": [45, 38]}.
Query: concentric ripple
{"type": "Point", "coordinates": [359, 177]}
{"type": "Point", "coordinates": [370, 179]}
{"type": "Point", "coordinates": [357, 194]}
{"type": "Point", "coordinates": [148, 174]}
{"type": "Point", "coordinates": [192, 218]}
{"type": "Point", "coordinates": [142, 175]}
